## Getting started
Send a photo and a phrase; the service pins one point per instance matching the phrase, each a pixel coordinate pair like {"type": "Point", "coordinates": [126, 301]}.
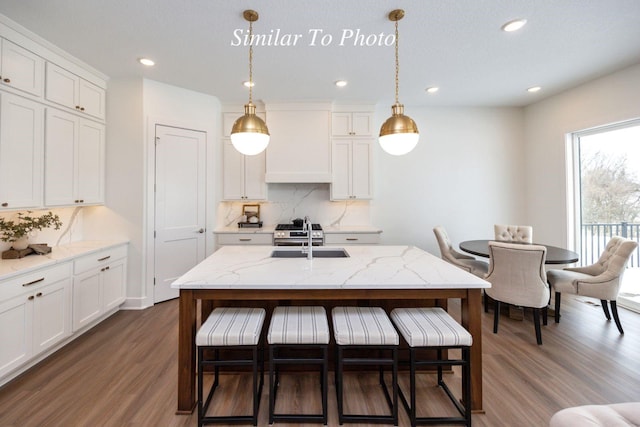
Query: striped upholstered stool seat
{"type": "Point", "coordinates": [237, 330]}
{"type": "Point", "coordinates": [434, 328]}
{"type": "Point", "coordinates": [366, 328]}
{"type": "Point", "coordinates": [294, 330]}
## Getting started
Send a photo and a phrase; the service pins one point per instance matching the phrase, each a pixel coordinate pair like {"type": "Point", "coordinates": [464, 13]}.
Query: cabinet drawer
{"type": "Point", "coordinates": [351, 238]}
{"type": "Point", "coordinates": [97, 259]}
{"type": "Point", "coordinates": [33, 280]}
{"type": "Point", "coordinates": [245, 239]}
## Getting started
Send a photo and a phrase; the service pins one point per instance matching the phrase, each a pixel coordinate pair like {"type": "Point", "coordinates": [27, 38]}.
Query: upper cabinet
{"type": "Point", "coordinates": [351, 169]}
{"type": "Point", "coordinates": [21, 152]}
{"type": "Point", "coordinates": [20, 68]}
{"type": "Point", "coordinates": [74, 161]}
{"type": "Point", "coordinates": [72, 91]}
{"type": "Point", "coordinates": [351, 124]}
{"type": "Point", "coordinates": [243, 175]}
{"type": "Point", "coordinates": [300, 147]}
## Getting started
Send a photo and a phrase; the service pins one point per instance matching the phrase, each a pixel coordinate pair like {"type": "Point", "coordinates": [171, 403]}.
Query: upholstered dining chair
{"type": "Point", "coordinates": [600, 280]}
{"type": "Point", "coordinates": [513, 233]}
{"type": "Point", "coordinates": [517, 276]}
{"type": "Point", "coordinates": [449, 254]}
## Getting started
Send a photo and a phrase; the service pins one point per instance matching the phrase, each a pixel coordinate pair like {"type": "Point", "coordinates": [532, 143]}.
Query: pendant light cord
{"type": "Point", "coordinates": [250, 62]}
{"type": "Point", "coordinates": [397, 64]}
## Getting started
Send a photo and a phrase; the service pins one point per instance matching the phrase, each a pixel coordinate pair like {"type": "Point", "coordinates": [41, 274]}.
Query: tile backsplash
{"type": "Point", "coordinates": [289, 201]}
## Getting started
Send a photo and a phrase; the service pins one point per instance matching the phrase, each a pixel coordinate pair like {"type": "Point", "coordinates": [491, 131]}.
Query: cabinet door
{"type": "Point", "coordinates": [90, 163]}
{"type": "Point", "coordinates": [254, 170]}
{"type": "Point", "coordinates": [341, 124]}
{"type": "Point", "coordinates": [114, 278]}
{"type": "Point", "coordinates": [341, 165]}
{"type": "Point", "coordinates": [87, 298]}
{"type": "Point", "coordinates": [60, 147]}
{"type": "Point", "coordinates": [51, 315]}
{"type": "Point", "coordinates": [21, 69]}
{"type": "Point", "coordinates": [92, 99]}
{"type": "Point", "coordinates": [16, 316]}
{"type": "Point", "coordinates": [62, 86]}
{"type": "Point", "coordinates": [21, 142]}
{"type": "Point", "coordinates": [361, 169]}
{"type": "Point", "coordinates": [233, 179]}
{"type": "Point", "coordinates": [362, 124]}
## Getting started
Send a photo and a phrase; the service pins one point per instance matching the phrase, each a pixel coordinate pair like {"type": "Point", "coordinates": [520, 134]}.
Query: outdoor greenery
{"type": "Point", "coordinates": [12, 230]}
{"type": "Point", "coordinates": [610, 192]}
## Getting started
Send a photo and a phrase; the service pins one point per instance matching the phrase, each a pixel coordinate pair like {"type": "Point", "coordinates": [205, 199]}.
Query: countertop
{"type": "Point", "coordinates": [355, 229]}
{"type": "Point", "coordinates": [367, 267]}
{"type": "Point", "coordinates": [58, 254]}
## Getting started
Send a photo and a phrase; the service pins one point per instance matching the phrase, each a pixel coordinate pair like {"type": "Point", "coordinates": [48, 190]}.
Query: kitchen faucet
{"type": "Point", "coordinates": [307, 226]}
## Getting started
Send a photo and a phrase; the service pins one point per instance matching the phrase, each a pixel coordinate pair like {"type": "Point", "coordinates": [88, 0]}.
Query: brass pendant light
{"type": "Point", "coordinates": [399, 133]}
{"type": "Point", "coordinates": [249, 134]}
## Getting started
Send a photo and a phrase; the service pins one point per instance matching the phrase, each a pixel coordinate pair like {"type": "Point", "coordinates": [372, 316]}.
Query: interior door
{"type": "Point", "coordinates": [179, 206]}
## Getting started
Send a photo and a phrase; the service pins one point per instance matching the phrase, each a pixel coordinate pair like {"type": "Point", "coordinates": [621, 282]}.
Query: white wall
{"type": "Point", "coordinates": [610, 99]}
{"type": "Point", "coordinates": [465, 174]}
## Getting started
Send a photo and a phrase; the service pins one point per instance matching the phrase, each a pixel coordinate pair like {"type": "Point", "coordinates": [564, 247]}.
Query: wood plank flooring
{"type": "Point", "coordinates": [124, 373]}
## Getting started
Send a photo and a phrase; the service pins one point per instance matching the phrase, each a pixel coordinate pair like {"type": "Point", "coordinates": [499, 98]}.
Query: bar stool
{"type": "Point", "coordinates": [237, 331]}
{"type": "Point", "coordinates": [293, 330]}
{"type": "Point", "coordinates": [434, 328]}
{"type": "Point", "coordinates": [366, 329]}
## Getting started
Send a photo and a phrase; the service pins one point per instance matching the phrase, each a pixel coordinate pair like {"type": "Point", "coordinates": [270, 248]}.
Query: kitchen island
{"type": "Point", "coordinates": [370, 272]}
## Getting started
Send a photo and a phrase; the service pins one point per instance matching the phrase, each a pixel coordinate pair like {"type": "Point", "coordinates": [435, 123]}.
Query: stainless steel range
{"type": "Point", "coordinates": [296, 235]}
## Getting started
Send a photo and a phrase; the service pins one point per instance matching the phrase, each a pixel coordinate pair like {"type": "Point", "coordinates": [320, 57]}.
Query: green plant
{"type": "Point", "coordinates": [11, 230]}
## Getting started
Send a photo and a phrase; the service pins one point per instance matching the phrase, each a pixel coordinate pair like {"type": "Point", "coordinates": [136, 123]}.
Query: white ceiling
{"type": "Point", "coordinates": [454, 44]}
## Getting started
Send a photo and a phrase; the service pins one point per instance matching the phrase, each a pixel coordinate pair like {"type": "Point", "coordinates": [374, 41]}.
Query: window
{"type": "Point", "coordinates": [607, 196]}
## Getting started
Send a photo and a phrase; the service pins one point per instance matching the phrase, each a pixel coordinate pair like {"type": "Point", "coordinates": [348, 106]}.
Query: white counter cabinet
{"type": "Point", "coordinates": [71, 91]}
{"type": "Point", "coordinates": [245, 238]}
{"type": "Point", "coordinates": [48, 300]}
{"type": "Point", "coordinates": [35, 314]}
{"type": "Point", "coordinates": [243, 175]}
{"type": "Point", "coordinates": [352, 165]}
{"type": "Point", "coordinates": [351, 236]}
{"type": "Point", "coordinates": [20, 68]}
{"type": "Point", "coordinates": [98, 284]}
{"type": "Point", "coordinates": [351, 124]}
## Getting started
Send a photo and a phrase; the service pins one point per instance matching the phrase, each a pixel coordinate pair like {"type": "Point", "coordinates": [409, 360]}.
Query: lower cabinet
{"type": "Point", "coordinates": [98, 284]}
{"type": "Point", "coordinates": [351, 238]}
{"type": "Point", "coordinates": [35, 314]}
{"type": "Point", "coordinates": [244, 239]}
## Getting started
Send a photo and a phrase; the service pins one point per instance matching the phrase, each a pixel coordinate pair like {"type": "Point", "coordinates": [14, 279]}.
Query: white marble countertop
{"type": "Point", "coordinates": [368, 266]}
{"type": "Point", "coordinates": [58, 254]}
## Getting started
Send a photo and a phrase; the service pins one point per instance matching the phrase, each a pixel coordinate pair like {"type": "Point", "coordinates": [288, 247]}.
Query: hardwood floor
{"type": "Point", "coordinates": [124, 373]}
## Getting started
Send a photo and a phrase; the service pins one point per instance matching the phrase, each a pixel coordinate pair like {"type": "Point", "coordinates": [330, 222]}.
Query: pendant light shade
{"type": "Point", "coordinates": [249, 134]}
{"type": "Point", "coordinates": [399, 133]}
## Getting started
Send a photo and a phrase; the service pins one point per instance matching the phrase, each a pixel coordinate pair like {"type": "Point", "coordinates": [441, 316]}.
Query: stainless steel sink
{"type": "Point", "coordinates": [317, 253]}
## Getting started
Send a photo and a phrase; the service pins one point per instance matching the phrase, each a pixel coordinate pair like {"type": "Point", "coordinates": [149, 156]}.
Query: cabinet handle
{"type": "Point", "coordinates": [30, 297]}
{"type": "Point", "coordinates": [77, 107]}
{"type": "Point", "coordinates": [39, 294]}
{"type": "Point", "coordinates": [5, 204]}
{"type": "Point", "coordinates": [244, 239]}
{"type": "Point", "coordinates": [7, 80]}
{"type": "Point", "coordinates": [104, 269]}
{"type": "Point", "coordinates": [33, 282]}
{"type": "Point", "coordinates": [81, 108]}
{"type": "Point", "coordinates": [352, 239]}
{"type": "Point", "coordinates": [104, 258]}
{"type": "Point", "coordinates": [201, 231]}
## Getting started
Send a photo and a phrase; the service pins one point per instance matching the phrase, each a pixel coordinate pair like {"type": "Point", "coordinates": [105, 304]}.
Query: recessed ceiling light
{"type": "Point", "coordinates": [146, 61]}
{"type": "Point", "coordinates": [534, 89]}
{"type": "Point", "coordinates": [341, 83]}
{"type": "Point", "coordinates": [249, 84]}
{"type": "Point", "coordinates": [514, 25]}
{"type": "Point", "coordinates": [432, 89]}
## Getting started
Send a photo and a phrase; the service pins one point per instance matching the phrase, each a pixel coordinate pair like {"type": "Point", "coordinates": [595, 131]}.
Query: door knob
{"type": "Point", "coordinates": [201, 231]}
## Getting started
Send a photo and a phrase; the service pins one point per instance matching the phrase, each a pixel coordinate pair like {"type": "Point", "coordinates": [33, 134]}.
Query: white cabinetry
{"type": "Point", "coordinates": [243, 175]}
{"type": "Point", "coordinates": [248, 238]}
{"type": "Point", "coordinates": [300, 147]}
{"type": "Point", "coordinates": [21, 148]}
{"type": "Point", "coordinates": [35, 314]}
{"type": "Point", "coordinates": [372, 238]}
{"type": "Point", "coordinates": [20, 68]}
{"type": "Point", "coordinates": [98, 284]}
{"type": "Point", "coordinates": [72, 91]}
{"type": "Point", "coordinates": [352, 160]}
{"type": "Point", "coordinates": [74, 161]}
{"type": "Point", "coordinates": [352, 124]}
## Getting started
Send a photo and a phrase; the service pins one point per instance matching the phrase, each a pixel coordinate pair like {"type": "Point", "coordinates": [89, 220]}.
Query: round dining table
{"type": "Point", "coordinates": [555, 255]}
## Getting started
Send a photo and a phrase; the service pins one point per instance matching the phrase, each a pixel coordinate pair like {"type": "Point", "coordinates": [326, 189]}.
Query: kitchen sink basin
{"type": "Point", "coordinates": [317, 253]}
